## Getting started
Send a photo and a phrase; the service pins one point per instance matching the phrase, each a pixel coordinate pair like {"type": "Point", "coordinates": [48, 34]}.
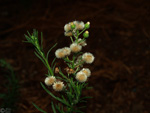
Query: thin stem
{"type": "Point", "coordinates": [73, 61]}
{"type": "Point", "coordinates": [44, 58]}
{"type": "Point", "coordinates": [71, 39]}
{"type": "Point", "coordinates": [49, 68]}
{"type": "Point", "coordinates": [82, 31]}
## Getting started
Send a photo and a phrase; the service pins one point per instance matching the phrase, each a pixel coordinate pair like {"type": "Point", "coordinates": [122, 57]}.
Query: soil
{"type": "Point", "coordinates": [119, 39]}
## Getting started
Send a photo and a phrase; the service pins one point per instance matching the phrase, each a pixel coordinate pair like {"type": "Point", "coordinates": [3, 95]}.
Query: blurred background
{"type": "Point", "coordinates": [119, 39]}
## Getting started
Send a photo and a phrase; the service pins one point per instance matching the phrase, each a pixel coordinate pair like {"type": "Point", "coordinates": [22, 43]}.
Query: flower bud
{"type": "Point", "coordinates": [87, 25]}
{"type": "Point", "coordinates": [56, 70]}
{"type": "Point", "coordinates": [86, 34]}
{"type": "Point", "coordinates": [72, 25]}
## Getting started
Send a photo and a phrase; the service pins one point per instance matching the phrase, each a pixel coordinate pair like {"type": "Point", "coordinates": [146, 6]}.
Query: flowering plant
{"type": "Point", "coordinates": [71, 82]}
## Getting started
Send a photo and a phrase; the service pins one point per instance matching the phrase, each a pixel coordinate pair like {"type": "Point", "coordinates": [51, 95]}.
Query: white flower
{"type": "Point", "coordinates": [66, 51]}
{"type": "Point", "coordinates": [50, 80]}
{"type": "Point", "coordinates": [58, 86]}
{"type": "Point", "coordinates": [86, 71]}
{"type": "Point", "coordinates": [67, 27]}
{"type": "Point", "coordinates": [81, 77]}
{"type": "Point", "coordinates": [88, 58]}
{"type": "Point", "coordinates": [79, 25]}
{"type": "Point", "coordinates": [75, 47]}
{"type": "Point", "coordinates": [59, 53]}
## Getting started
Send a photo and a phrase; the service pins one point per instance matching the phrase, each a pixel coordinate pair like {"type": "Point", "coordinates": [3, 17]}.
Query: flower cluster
{"type": "Point", "coordinates": [72, 29]}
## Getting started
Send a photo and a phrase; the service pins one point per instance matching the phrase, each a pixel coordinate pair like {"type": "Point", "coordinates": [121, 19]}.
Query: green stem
{"type": "Point", "coordinates": [71, 39]}
{"type": "Point", "coordinates": [49, 68]}
{"type": "Point", "coordinates": [82, 31]}
{"type": "Point", "coordinates": [73, 61]}
{"type": "Point", "coordinates": [46, 61]}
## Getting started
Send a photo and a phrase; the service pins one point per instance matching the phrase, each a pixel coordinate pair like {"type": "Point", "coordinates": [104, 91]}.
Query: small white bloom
{"type": "Point", "coordinates": [66, 51]}
{"type": "Point", "coordinates": [58, 86]}
{"type": "Point", "coordinates": [50, 80]}
{"type": "Point", "coordinates": [88, 58]}
{"type": "Point", "coordinates": [86, 71]}
{"type": "Point", "coordinates": [81, 77]}
{"type": "Point", "coordinates": [67, 27]}
{"type": "Point", "coordinates": [59, 53]}
{"type": "Point", "coordinates": [75, 47]}
{"type": "Point", "coordinates": [79, 25]}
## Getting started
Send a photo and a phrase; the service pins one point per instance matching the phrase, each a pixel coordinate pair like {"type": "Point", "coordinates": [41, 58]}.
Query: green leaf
{"type": "Point", "coordinates": [28, 39]}
{"type": "Point", "coordinates": [54, 67]}
{"type": "Point", "coordinates": [61, 78]}
{"type": "Point", "coordinates": [58, 108]}
{"type": "Point", "coordinates": [50, 51]}
{"type": "Point", "coordinates": [69, 96]}
{"type": "Point", "coordinates": [29, 34]}
{"type": "Point", "coordinates": [64, 99]}
{"type": "Point", "coordinates": [70, 88]}
{"type": "Point", "coordinates": [53, 108]}
{"type": "Point", "coordinates": [39, 108]}
{"type": "Point", "coordinates": [53, 62]}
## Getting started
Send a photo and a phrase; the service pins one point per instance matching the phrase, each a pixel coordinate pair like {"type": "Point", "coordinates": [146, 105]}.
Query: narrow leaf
{"type": "Point", "coordinates": [50, 51]}
{"type": "Point", "coordinates": [39, 108]}
{"type": "Point", "coordinates": [53, 108]}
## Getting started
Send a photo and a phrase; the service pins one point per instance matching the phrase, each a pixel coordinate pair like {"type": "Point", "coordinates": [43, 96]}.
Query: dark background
{"type": "Point", "coordinates": [119, 39]}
